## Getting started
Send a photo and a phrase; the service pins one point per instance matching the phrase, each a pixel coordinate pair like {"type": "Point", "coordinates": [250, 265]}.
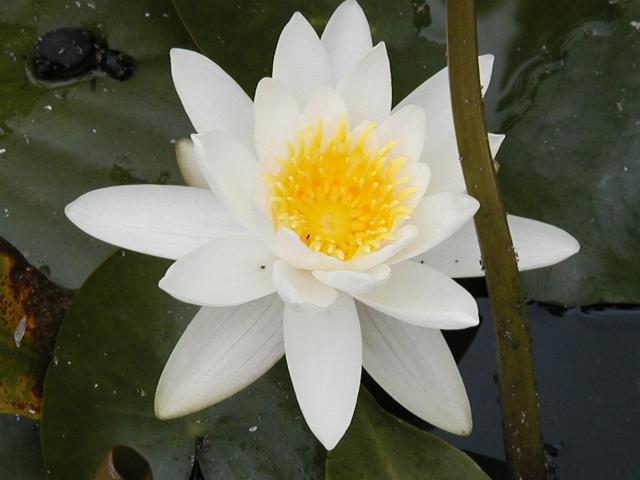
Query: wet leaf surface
{"type": "Point", "coordinates": [570, 155]}
{"type": "Point", "coordinates": [20, 455]}
{"type": "Point", "coordinates": [58, 143]}
{"type": "Point", "coordinates": [578, 147]}
{"type": "Point", "coordinates": [99, 392]}
{"type": "Point", "coordinates": [31, 309]}
{"type": "Point", "coordinates": [381, 446]}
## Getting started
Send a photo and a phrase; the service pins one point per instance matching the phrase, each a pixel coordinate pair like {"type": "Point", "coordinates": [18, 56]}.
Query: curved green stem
{"type": "Point", "coordinates": [519, 398]}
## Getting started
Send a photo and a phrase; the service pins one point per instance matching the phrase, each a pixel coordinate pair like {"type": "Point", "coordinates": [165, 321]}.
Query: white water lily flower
{"type": "Point", "coordinates": [320, 199]}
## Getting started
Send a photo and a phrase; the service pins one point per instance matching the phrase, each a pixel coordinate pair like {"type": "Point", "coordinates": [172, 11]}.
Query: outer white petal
{"type": "Point", "coordinates": [228, 271]}
{"type": "Point", "coordinates": [537, 245]}
{"type": "Point", "coordinates": [437, 217]}
{"type": "Point", "coordinates": [441, 154]}
{"type": "Point", "coordinates": [415, 366]}
{"type": "Point", "coordinates": [440, 148]}
{"type": "Point", "coordinates": [495, 142]}
{"type": "Point", "coordinates": [407, 127]}
{"type": "Point", "coordinates": [222, 351]}
{"type": "Point", "coordinates": [189, 165]}
{"type": "Point", "coordinates": [346, 38]}
{"type": "Point", "coordinates": [211, 98]}
{"type": "Point", "coordinates": [354, 282]}
{"type": "Point", "coordinates": [324, 354]}
{"type": "Point", "coordinates": [231, 171]}
{"type": "Point", "coordinates": [422, 296]}
{"type": "Point", "coordinates": [299, 287]}
{"type": "Point", "coordinates": [300, 61]}
{"type": "Point", "coordinates": [276, 115]}
{"type": "Point", "coordinates": [434, 96]}
{"type": "Point", "coordinates": [366, 89]}
{"type": "Point", "coordinates": [161, 220]}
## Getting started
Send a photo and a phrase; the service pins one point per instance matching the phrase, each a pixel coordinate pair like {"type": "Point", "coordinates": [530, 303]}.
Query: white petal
{"type": "Point", "coordinates": [354, 282]}
{"type": "Point", "coordinates": [537, 245]}
{"type": "Point", "coordinates": [222, 351]}
{"type": "Point", "coordinates": [366, 89]}
{"type": "Point", "coordinates": [211, 98]}
{"type": "Point", "coordinates": [434, 96]}
{"type": "Point", "coordinates": [297, 254]}
{"type": "Point", "coordinates": [300, 61]}
{"type": "Point", "coordinates": [228, 271]}
{"type": "Point", "coordinates": [327, 106]}
{"type": "Point", "coordinates": [231, 171]}
{"type": "Point", "coordinates": [420, 175]}
{"type": "Point", "coordinates": [276, 116]}
{"type": "Point", "coordinates": [299, 287]}
{"type": "Point", "coordinates": [437, 217]}
{"type": "Point", "coordinates": [415, 366]}
{"type": "Point", "coordinates": [441, 154]}
{"type": "Point", "coordinates": [495, 141]}
{"type": "Point", "coordinates": [404, 236]}
{"type": "Point", "coordinates": [407, 127]}
{"type": "Point", "coordinates": [422, 296]}
{"type": "Point", "coordinates": [189, 165]}
{"type": "Point", "coordinates": [324, 355]}
{"type": "Point", "coordinates": [346, 38]}
{"type": "Point", "coordinates": [440, 147]}
{"type": "Point", "coordinates": [161, 220]}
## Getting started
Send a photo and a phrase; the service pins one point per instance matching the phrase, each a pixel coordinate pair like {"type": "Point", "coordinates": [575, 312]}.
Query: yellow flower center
{"type": "Point", "coordinates": [340, 197]}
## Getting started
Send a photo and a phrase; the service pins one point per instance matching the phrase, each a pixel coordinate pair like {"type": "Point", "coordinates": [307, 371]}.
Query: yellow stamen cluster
{"type": "Point", "coordinates": [340, 197]}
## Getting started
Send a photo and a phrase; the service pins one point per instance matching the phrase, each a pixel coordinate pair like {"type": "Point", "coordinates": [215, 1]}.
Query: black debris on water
{"type": "Point", "coordinates": [69, 52]}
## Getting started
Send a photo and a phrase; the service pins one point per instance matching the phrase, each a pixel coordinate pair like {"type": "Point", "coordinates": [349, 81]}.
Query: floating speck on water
{"type": "Point", "coordinates": [3, 151]}
{"type": "Point", "coordinates": [27, 140]}
{"type": "Point", "coordinates": [91, 5]}
{"type": "Point", "coordinates": [141, 391]}
{"type": "Point", "coordinates": [48, 108]}
{"type": "Point", "coordinates": [253, 429]}
{"type": "Point", "coordinates": [625, 168]}
{"type": "Point", "coordinates": [95, 385]}
{"type": "Point", "coordinates": [635, 24]}
{"type": "Point", "coordinates": [31, 411]}
{"type": "Point", "coordinates": [147, 14]}
{"type": "Point", "coordinates": [93, 130]}
{"type": "Point", "coordinates": [55, 361]}
{"type": "Point", "coordinates": [78, 4]}
{"type": "Point", "coordinates": [165, 15]}
{"type": "Point", "coordinates": [20, 330]}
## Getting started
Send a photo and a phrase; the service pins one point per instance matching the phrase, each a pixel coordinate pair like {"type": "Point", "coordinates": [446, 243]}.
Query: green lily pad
{"type": "Point", "coordinates": [563, 82]}
{"type": "Point", "coordinates": [20, 455]}
{"type": "Point", "coordinates": [58, 143]}
{"type": "Point", "coordinates": [31, 309]}
{"type": "Point", "coordinates": [99, 391]}
{"type": "Point", "coordinates": [577, 149]}
{"type": "Point", "coordinates": [381, 446]}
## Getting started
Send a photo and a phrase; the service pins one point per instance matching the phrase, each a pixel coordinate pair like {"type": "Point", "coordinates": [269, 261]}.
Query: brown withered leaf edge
{"type": "Point", "coordinates": [29, 298]}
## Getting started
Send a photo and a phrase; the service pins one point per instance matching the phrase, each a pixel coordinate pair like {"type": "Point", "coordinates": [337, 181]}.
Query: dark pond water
{"type": "Point", "coordinates": [588, 371]}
